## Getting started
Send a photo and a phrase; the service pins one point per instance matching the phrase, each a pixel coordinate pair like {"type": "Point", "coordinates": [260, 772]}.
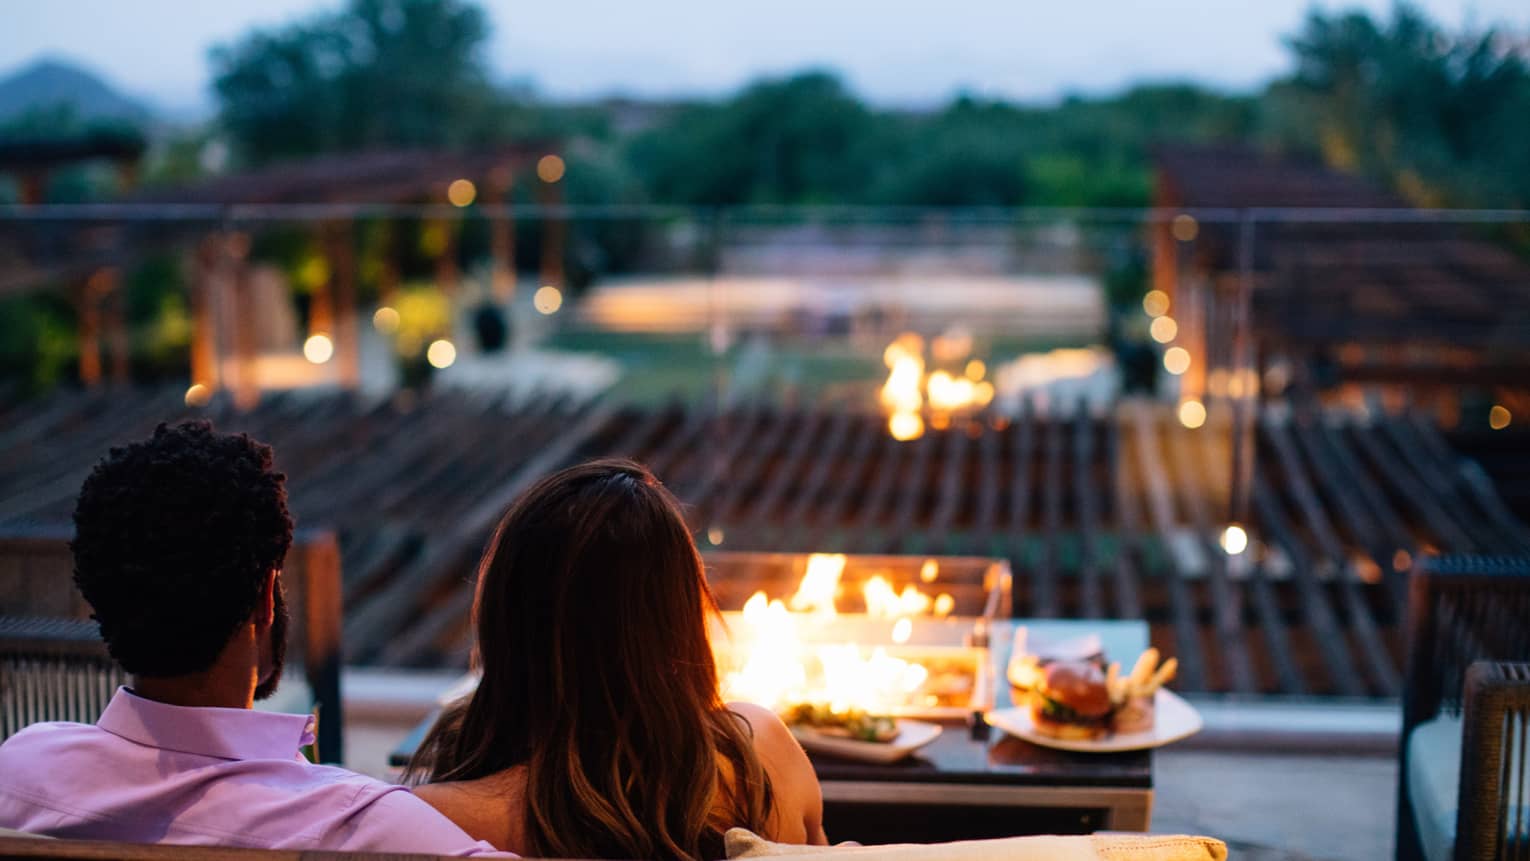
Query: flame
{"type": "Point", "coordinates": [883, 602]}
{"type": "Point", "coordinates": [929, 572]}
{"type": "Point", "coordinates": [779, 669]}
{"type": "Point", "coordinates": [774, 673]}
{"type": "Point", "coordinates": [944, 604]}
{"type": "Point", "coordinates": [819, 586]}
{"type": "Point", "coordinates": [901, 391]}
{"type": "Point", "coordinates": [908, 389]}
{"type": "Point", "coordinates": [905, 426]}
{"type": "Point", "coordinates": [876, 684]}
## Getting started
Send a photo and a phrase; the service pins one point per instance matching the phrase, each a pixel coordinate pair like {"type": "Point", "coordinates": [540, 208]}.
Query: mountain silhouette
{"type": "Point", "coordinates": [51, 85]}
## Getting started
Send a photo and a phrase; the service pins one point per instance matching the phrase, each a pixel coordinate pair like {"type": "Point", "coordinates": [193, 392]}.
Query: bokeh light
{"type": "Point", "coordinates": [386, 320]}
{"type": "Point", "coordinates": [1155, 303]}
{"type": "Point", "coordinates": [548, 299]}
{"type": "Point", "coordinates": [461, 192]}
{"type": "Point", "coordinates": [318, 349]}
{"type": "Point", "coordinates": [441, 353]}
{"type": "Point", "coordinates": [550, 168]}
{"type": "Point", "coordinates": [1499, 417]}
{"type": "Point", "coordinates": [1164, 329]}
{"type": "Point", "coordinates": [1176, 360]}
{"type": "Point", "coordinates": [198, 395]}
{"type": "Point", "coordinates": [1185, 227]}
{"type": "Point", "coordinates": [1234, 539]}
{"type": "Point", "coordinates": [1192, 414]}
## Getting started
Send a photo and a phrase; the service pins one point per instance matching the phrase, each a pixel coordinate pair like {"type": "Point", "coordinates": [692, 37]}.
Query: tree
{"type": "Point", "coordinates": [380, 73]}
{"type": "Point", "coordinates": [1442, 117]}
{"type": "Point", "coordinates": [801, 139]}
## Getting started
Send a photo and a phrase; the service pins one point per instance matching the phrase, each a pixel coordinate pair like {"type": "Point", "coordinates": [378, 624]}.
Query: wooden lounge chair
{"type": "Point", "coordinates": [53, 665]}
{"type": "Point", "coordinates": [1463, 777]}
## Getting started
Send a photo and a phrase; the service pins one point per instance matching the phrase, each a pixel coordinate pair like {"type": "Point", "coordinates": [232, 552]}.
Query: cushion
{"type": "Point", "coordinates": [1434, 778]}
{"type": "Point", "coordinates": [1434, 781]}
{"type": "Point", "coordinates": [11, 832]}
{"type": "Point", "coordinates": [1094, 847]}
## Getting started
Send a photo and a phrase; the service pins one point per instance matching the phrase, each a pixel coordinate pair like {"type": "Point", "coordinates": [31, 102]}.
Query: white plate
{"type": "Point", "coordinates": [1176, 719]}
{"type": "Point", "coordinates": [912, 735]}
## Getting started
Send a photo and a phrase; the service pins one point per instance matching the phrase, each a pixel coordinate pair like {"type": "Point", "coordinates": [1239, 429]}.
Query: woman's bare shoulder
{"type": "Point", "coordinates": [791, 772]}
{"type": "Point", "coordinates": [767, 727]}
{"type": "Point", "coordinates": [479, 806]}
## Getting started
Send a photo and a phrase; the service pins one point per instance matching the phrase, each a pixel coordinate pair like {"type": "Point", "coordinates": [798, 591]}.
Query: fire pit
{"type": "Point", "coordinates": [901, 635]}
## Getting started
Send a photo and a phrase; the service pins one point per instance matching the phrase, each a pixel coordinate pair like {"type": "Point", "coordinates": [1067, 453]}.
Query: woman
{"type": "Point", "coordinates": [597, 730]}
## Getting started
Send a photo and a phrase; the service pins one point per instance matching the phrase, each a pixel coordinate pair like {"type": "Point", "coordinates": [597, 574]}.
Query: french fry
{"type": "Point", "coordinates": [1113, 680]}
{"type": "Point", "coordinates": [1164, 675]}
{"type": "Point", "coordinates": [1143, 671]}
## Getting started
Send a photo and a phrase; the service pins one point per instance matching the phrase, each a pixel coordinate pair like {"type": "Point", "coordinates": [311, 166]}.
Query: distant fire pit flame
{"type": "Point", "coordinates": [909, 390]}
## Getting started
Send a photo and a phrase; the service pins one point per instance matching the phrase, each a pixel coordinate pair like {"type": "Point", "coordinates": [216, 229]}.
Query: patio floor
{"type": "Point", "coordinates": [1292, 807]}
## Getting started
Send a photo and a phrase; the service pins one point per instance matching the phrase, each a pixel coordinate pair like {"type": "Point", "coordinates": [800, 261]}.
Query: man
{"type": "Point", "coordinates": [179, 542]}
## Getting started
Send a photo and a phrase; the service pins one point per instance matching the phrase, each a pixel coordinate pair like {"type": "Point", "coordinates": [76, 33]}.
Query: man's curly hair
{"type": "Point", "coordinates": [174, 538]}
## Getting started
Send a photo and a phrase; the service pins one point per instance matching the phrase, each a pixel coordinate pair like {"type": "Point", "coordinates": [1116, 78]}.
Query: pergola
{"type": "Point", "coordinates": [1348, 282]}
{"type": "Point", "coordinates": [217, 217]}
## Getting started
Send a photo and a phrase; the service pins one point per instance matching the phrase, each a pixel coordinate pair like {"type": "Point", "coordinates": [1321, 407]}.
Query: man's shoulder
{"type": "Point", "coordinates": [37, 737]}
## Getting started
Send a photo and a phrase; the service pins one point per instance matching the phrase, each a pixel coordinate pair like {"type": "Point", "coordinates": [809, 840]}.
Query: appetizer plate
{"type": "Point", "coordinates": [912, 735]}
{"type": "Point", "coordinates": [1176, 719]}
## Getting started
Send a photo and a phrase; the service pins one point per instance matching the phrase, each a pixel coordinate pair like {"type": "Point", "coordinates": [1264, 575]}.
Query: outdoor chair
{"type": "Point", "coordinates": [1462, 773]}
{"type": "Point", "coordinates": [53, 670]}
{"type": "Point", "coordinates": [54, 667]}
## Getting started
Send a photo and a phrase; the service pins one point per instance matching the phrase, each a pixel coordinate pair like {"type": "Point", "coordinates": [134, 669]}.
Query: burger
{"type": "Point", "coordinates": [1071, 701]}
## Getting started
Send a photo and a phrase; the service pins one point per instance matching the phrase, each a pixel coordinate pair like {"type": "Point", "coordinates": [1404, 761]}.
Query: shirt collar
{"type": "Point", "coordinates": [216, 732]}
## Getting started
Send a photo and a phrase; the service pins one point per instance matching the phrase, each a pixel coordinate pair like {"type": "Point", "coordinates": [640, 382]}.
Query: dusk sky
{"type": "Point", "coordinates": [891, 51]}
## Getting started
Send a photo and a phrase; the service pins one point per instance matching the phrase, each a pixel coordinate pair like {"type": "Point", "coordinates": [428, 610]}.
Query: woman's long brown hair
{"type": "Point", "coordinates": [591, 618]}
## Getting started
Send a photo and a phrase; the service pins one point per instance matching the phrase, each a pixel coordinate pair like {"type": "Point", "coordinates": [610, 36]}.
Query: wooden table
{"type": "Point", "coordinates": [977, 782]}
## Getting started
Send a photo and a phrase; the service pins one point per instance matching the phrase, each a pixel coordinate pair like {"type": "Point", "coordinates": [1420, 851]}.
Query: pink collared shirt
{"type": "Point", "coordinates": [148, 772]}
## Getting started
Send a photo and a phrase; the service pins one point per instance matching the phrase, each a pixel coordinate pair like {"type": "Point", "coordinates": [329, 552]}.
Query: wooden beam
{"type": "Point", "coordinates": [1023, 444]}
{"type": "Point", "coordinates": [1128, 525]}
{"type": "Point", "coordinates": [952, 473]}
{"type": "Point", "coordinates": [846, 477]}
{"type": "Point", "coordinates": [1149, 459]}
{"type": "Point", "coordinates": [1086, 501]}
{"type": "Point", "coordinates": [1188, 450]}
{"type": "Point", "coordinates": [1045, 601]}
{"type": "Point", "coordinates": [1379, 661]}
{"type": "Point", "coordinates": [1316, 610]}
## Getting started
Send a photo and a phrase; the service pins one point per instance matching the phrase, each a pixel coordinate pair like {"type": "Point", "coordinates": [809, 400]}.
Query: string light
{"type": "Point", "coordinates": [318, 349]}
{"type": "Point", "coordinates": [548, 299]}
{"type": "Point", "coordinates": [1234, 540]}
{"type": "Point", "coordinates": [198, 395]}
{"type": "Point", "coordinates": [1164, 329]}
{"type": "Point", "coordinates": [1176, 360]}
{"type": "Point", "coordinates": [386, 320]}
{"type": "Point", "coordinates": [1185, 228]}
{"type": "Point", "coordinates": [461, 192]}
{"type": "Point", "coordinates": [1192, 414]}
{"type": "Point", "coordinates": [550, 168]}
{"type": "Point", "coordinates": [441, 353]}
{"type": "Point", "coordinates": [1499, 417]}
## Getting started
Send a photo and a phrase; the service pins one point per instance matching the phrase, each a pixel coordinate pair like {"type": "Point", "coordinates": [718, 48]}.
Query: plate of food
{"type": "Point", "coordinates": [855, 734]}
{"type": "Point", "coordinates": [1075, 705]}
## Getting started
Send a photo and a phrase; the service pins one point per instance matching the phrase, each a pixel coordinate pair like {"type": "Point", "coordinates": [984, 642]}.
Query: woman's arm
{"type": "Point", "coordinates": [798, 817]}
